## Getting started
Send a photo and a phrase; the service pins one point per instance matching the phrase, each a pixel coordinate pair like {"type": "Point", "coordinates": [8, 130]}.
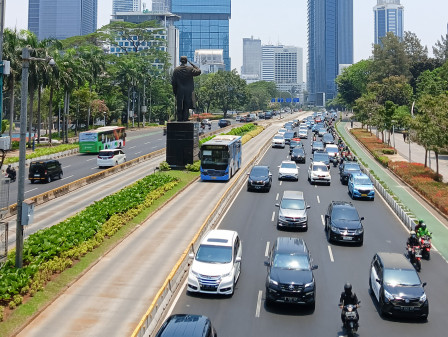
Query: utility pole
{"type": "Point", "coordinates": [2, 23]}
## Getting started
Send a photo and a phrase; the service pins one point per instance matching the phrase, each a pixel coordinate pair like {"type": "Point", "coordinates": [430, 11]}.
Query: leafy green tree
{"type": "Point", "coordinates": [430, 82]}
{"type": "Point", "coordinates": [203, 91]}
{"type": "Point", "coordinates": [260, 94]}
{"type": "Point", "coordinates": [440, 50]}
{"type": "Point", "coordinates": [229, 91]}
{"type": "Point", "coordinates": [352, 83]}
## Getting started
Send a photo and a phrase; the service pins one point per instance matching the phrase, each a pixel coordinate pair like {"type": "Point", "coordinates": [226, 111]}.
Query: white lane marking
{"type": "Point", "coordinates": [64, 167]}
{"type": "Point", "coordinates": [138, 152]}
{"type": "Point", "coordinates": [147, 143]}
{"type": "Point", "coordinates": [153, 147]}
{"type": "Point", "coordinates": [318, 199]}
{"type": "Point", "coordinates": [331, 254]}
{"type": "Point", "coordinates": [273, 216]}
{"type": "Point", "coordinates": [266, 252]}
{"type": "Point", "coordinates": [132, 147]}
{"type": "Point", "coordinates": [67, 177]}
{"type": "Point", "coordinates": [323, 219]}
{"type": "Point", "coordinates": [230, 206]}
{"type": "Point", "coordinates": [91, 159]}
{"type": "Point", "coordinates": [31, 190]}
{"type": "Point", "coordinates": [176, 299]}
{"type": "Point", "coordinates": [276, 198]}
{"type": "Point", "coordinates": [94, 168]}
{"type": "Point", "coordinates": [160, 139]}
{"type": "Point", "coordinates": [257, 310]}
{"type": "Point", "coordinates": [281, 183]}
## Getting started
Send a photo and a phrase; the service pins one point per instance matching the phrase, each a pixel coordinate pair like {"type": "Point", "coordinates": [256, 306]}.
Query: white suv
{"type": "Point", "coordinates": [217, 263]}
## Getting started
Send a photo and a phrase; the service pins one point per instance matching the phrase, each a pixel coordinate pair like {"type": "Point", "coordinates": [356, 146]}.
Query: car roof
{"type": "Point", "coordinates": [394, 261]}
{"type": "Point", "coordinates": [219, 237]}
{"type": "Point", "coordinates": [291, 245]}
{"type": "Point", "coordinates": [182, 325]}
{"type": "Point", "coordinates": [360, 175]}
{"type": "Point", "coordinates": [288, 162]}
{"type": "Point", "coordinates": [331, 146]}
{"type": "Point", "coordinates": [318, 163]}
{"type": "Point", "coordinates": [292, 195]}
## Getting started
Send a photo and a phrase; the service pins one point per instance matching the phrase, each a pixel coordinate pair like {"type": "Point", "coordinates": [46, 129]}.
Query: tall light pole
{"type": "Point", "coordinates": [2, 21]}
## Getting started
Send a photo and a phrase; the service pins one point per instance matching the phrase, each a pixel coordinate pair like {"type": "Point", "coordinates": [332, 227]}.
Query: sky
{"type": "Point", "coordinates": [285, 22]}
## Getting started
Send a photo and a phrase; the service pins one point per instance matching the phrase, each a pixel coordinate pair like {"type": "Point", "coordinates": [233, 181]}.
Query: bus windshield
{"type": "Point", "coordinates": [215, 159]}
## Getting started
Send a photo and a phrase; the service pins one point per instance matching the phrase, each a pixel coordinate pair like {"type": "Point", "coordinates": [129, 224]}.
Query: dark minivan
{"type": "Point", "coordinates": [45, 171]}
{"type": "Point", "coordinates": [181, 325]}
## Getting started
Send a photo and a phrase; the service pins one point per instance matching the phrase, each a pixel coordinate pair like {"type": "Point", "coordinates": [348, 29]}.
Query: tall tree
{"type": "Point", "coordinates": [440, 50]}
{"type": "Point", "coordinates": [259, 95]}
{"type": "Point", "coordinates": [352, 83]}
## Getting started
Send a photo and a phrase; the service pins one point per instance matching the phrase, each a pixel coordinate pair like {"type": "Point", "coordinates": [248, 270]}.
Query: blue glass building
{"type": "Point", "coordinates": [330, 44]}
{"type": "Point", "coordinates": [204, 24]}
{"type": "Point", "coordinates": [62, 18]}
{"type": "Point", "coordinates": [388, 18]}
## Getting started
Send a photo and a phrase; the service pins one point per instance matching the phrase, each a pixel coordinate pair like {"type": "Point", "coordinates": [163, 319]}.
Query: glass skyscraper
{"type": "Point", "coordinates": [251, 58]}
{"type": "Point", "coordinates": [62, 18]}
{"type": "Point", "coordinates": [388, 18]}
{"type": "Point", "coordinates": [204, 24]}
{"type": "Point", "coordinates": [119, 6]}
{"type": "Point", "coordinates": [330, 44]}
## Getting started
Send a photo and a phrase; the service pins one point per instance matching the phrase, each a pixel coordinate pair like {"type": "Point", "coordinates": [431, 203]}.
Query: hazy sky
{"type": "Point", "coordinates": [285, 22]}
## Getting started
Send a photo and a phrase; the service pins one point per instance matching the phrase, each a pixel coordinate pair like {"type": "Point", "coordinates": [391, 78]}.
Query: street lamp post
{"type": "Point", "coordinates": [104, 117]}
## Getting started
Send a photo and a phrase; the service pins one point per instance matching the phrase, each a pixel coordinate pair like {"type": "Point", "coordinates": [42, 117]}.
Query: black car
{"type": "Point", "coordinates": [223, 123]}
{"type": "Point", "coordinates": [328, 138]}
{"type": "Point", "coordinates": [342, 223]}
{"type": "Point", "coordinates": [268, 115]}
{"type": "Point", "coordinates": [293, 143]}
{"type": "Point", "coordinates": [290, 276]}
{"type": "Point", "coordinates": [397, 287]}
{"type": "Point", "coordinates": [289, 135]}
{"type": "Point", "coordinates": [317, 146]}
{"type": "Point", "coordinates": [260, 178]}
{"type": "Point", "coordinates": [298, 155]}
{"type": "Point", "coordinates": [182, 325]}
{"type": "Point", "coordinates": [322, 157]}
{"type": "Point", "coordinates": [45, 171]}
{"type": "Point", "coordinates": [346, 169]}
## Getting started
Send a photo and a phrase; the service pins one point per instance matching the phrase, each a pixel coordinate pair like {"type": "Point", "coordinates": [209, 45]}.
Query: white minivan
{"type": "Point", "coordinates": [110, 157]}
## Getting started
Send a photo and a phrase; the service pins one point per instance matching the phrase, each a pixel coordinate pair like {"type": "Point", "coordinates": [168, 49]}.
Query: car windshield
{"type": "Point", "coordinates": [289, 134]}
{"type": "Point", "coordinates": [320, 156]}
{"type": "Point", "coordinates": [278, 137]}
{"type": "Point", "coordinates": [282, 130]}
{"type": "Point", "coordinates": [401, 277]}
{"type": "Point", "coordinates": [363, 181]}
{"type": "Point", "coordinates": [291, 262]}
{"type": "Point", "coordinates": [289, 165]}
{"type": "Point", "coordinates": [320, 168]}
{"type": "Point", "coordinates": [352, 167]}
{"type": "Point", "coordinates": [345, 213]}
{"type": "Point", "coordinates": [332, 150]}
{"type": "Point", "coordinates": [297, 150]}
{"type": "Point", "coordinates": [214, 254]}
{"type": "Point", "coordinates": [297, 204]}
{"type": "Point", "coordinates": [294, 143]}
{"type": "Point", "coordinates": [259, 171]}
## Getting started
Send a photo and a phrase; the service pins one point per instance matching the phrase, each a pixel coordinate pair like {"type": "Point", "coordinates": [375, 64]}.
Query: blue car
{"type": "Point", "coordinates": [360, 186]}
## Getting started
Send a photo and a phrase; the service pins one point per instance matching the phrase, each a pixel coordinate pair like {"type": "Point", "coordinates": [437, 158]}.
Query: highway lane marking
{"type": "Point", "coordinates": [138, 152]}
{"type": "Point", "coordinates": [153, 147]}
{"type": "Point", "coordinates": [276, 198]}
{"type": "Point", "coordinates": [132, 147]}
{"type": "Point", "coordinates": [176, 299]}
{"type": "Point", "coordinates": [64, 167]}
{"type": "Point", "coordinates": [273, 216]}
{"type": "Point", "coordinates": [94, 168]}
{"type": "Point", "coordinates": [230, 206]}
{"type": "Point", "coordinates": [266, 252]}
{"type": "Point", "coordinates": [91, 159]}
{"type": "Point", "coordinates": [331, 254]}
{"type": "Point", "coordinates": [323, 220]}
{"type": "Point", "coordinates": [31, 190]}
{"type": "Point", "coordinates": [318, 199]}
{"type": "Point", "coordinates": [67, 177]}
{"type": "Point", "coordinates": [160, 139]}
{"type": "Point", "coordinates": [147, 143]}
{"type": "Point", "coordinates": [281, 183]}
{"type": "Point", "coordinates": [257, 310]}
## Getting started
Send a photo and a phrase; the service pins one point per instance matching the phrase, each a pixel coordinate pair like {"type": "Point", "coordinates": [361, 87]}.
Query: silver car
{"type": "Point", "coordinates": [292, 211]}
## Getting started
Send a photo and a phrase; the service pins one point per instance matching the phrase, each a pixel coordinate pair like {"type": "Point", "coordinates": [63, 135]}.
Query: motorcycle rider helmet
{"type": "Point", "coordinates": [412, 233]}
{"type": "Point", "coordinates": [348, 288]}
{"type": "Point", "coordinates": [423, 226]}
{"type": "Point", "coordinates": [420, 222]}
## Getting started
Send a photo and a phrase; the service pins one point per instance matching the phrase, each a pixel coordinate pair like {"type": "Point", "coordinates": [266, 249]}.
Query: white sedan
{"type": "Point", "coordinates": [278, 141]}
{"type": "Point", "coordinates": [303, 133]}
{"type": "Point", "coordinates": [288, 170]}
{"type": "Point", "coordinates": [319, 172]}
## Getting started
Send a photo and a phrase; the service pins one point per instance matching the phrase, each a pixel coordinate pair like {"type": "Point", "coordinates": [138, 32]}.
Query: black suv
{"type": "Point", "coordinates": [290, 276]}
{"type": "Point", "coordinates": [260, 178]}
{"type": "Point", "coordinates": [342, 223]}
{"type": "Point", "coordinates": [347, 168]}
{"type": "Point", "coordinates": [298, 155]}
{"type": "Point", "coordinates": [397, 287]}
{"type": "Point", "coordinates": [182, 325]}
{"type": "Point", "coordinates": [45, 171]}
{"type": "Point", "coordinates": [222, 123]}
{"type": "Point", "coordinates": [317, 146]}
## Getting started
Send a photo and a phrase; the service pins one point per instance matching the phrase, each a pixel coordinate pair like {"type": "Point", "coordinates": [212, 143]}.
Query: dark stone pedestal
{"type": "Point", "coordinates": [182, 144]}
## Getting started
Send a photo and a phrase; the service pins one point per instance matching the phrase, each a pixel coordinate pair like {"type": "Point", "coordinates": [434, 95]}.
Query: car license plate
{"type": "Point", "coordinates": [37, 175]}
{"type": "Point", "coordinates": [348, 238]}
{"type": "Point", "coordinates": [407, 308]}
{"type": "Point", "coordinates": [213, 288]}
{"type": "Point", "coordinates": [291, 299]}
{"type": "Point", "coordinates": [364, 195]}
{"type": "Point", "coordinates": [257, 187]}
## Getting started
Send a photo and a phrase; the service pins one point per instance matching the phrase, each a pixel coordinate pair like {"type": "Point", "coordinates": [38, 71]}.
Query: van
{"type": "Point", "coordinates": [45, 171]}
{"type": "Point", "coordinates": [182, 325]}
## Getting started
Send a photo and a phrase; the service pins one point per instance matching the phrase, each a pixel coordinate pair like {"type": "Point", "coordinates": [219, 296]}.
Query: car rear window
{"type": "Point", "coordinates": [106, 154]}
{"type": "Point", "coordinates": [289, 165]}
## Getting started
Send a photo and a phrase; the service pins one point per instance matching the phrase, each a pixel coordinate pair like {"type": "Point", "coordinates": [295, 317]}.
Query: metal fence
{"type": "Point", "coordinates": [3, 241]}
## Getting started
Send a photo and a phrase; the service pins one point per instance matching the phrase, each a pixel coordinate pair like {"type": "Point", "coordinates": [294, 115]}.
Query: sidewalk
{"type": "Point", "coordinates": [437, 224]}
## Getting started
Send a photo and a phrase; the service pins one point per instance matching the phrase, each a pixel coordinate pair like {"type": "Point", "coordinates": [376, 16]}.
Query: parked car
{"type": "Point", "coordinates": [292, 211]}
{"type": "Point", "coordinates": [395, 284]}
{"type": "Point", "coordinates": [278, 141]}
{"type": "Point", "coordinates": [360, 186]}
{"type": "Point", "coordinates": [260, 178]}
{"type": "Point", "coordinates": [290, 276]}
{"type": "Point", "coordinates": [46, 140]}
{"type": "Point", "coordinates": [110, 158]}
{"type": "Point", "coordinates": [342, 223]}
{"type": "Point", "coordinates": [45, 171]}
{"type": "Point", "coordinates": [346, 169]}
{"type": "Point", "coordinates": [288, 170]}
{"type": "Point", "coordinates": [237, 118]}
{"type": "Point", "coordinates": [319, 172]}
{"type": "Point", "coordinates": [222, 123]}
{"type": "Point", "coordinates": [298, 155]}
{"type": "Point", "coordinates": [183, 325]}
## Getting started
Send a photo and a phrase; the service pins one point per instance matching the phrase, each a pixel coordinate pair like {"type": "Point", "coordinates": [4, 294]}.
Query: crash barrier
{"type": "Point", "coordinates": [152, 316]}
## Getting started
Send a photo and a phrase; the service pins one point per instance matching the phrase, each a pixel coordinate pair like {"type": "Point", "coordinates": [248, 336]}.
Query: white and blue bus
{"type": "Point", "coordinates": [220, 157]}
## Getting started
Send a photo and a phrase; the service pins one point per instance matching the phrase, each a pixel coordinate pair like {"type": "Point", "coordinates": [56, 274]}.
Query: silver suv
{"type": "Point", "coordinates": [292, 211]}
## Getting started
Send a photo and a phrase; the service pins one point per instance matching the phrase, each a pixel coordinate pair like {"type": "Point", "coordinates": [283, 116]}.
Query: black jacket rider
{"type": "Point", "coordinates": [348, 297]}
{"type": "Point", "coordinates": [413, 241]}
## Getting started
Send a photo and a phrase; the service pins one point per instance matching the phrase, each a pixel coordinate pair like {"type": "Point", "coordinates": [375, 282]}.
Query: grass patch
{"type": "Point", "coordinates": [60, 282]}
{"type": "Point", "coordinates": [43, 151]}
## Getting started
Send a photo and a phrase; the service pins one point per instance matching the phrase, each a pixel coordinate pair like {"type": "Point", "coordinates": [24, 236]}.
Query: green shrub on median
{"type": "Point", "coordinates": [40, 152]}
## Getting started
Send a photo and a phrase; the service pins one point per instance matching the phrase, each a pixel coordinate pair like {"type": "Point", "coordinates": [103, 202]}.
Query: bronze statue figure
{"type": "Point", "coordinates": [183, 86]}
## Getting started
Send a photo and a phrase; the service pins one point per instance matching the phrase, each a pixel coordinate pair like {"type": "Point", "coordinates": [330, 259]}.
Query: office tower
{"type": "Point", "coordinates": [388, 18]}
{"type": "Point", "coordinates": [330, 45]}
{"type": "Point", "coordinates": [251, 68]}
{"type": "Point", "coordinates": [62, 18]}
{"type": "Point", "coordinates": [204, 24]}
{"type": "Point", "coordinates": [126, 6]}
{"type": "Point", "coordinates": [159, 6]}
{"type": "Point", "coordinates": [284, 66]}
{"type": "Point", "coordinates": [209, 60]}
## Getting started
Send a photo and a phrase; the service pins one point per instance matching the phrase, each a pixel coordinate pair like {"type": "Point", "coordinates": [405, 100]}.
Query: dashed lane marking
{"type": "Point", "coordinates": [257, 310]}
{"type": "Point", "coordinates": [331, 253]}
{"type": "Point", "coordinates": [266, 252]}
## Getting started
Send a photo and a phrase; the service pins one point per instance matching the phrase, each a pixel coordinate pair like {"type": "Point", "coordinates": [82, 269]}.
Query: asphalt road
{"type": "Point", "coordinates": [253, 215]}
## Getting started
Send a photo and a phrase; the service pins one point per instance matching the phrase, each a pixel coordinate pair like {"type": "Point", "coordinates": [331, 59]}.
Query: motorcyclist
{"type": "Point", "coordinates": [348, 297]}
{"type": "Point", "coordinates": [11, 172]}
{"type": "Point", "coordinates": [423, 231]}
{"type": "Point", "coordinates": [412, 240]}
{"type": "Point", "coordinates": [417, 226]}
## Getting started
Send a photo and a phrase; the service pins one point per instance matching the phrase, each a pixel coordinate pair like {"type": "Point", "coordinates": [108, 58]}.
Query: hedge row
{"type": "Point", "coordinates": [240, 131]}
{"type": "Point", "coordinates": [374, 145]}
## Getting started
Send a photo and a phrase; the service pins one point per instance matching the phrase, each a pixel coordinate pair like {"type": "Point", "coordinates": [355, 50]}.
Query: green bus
{"type": "Point", "coordinates": [107, 137]}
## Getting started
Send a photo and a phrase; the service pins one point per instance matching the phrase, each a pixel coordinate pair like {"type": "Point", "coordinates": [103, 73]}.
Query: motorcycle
{"type": "Point", "coordinates": [11, 176]}
{"type": "Point", "coordinates": [426, 247]}
{"type": "Point", "coordinates": [351, 319]}
{"type": "Point", "coordinates": [415, 256]}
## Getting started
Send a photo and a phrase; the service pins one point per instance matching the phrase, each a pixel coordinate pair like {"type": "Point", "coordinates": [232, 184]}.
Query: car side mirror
{"type": "Point", "coordinates": [314, 267]}
{"type": "Point", "coordinates": [238, 259]}
{"type": "Point", "coordinates": [191, 256]}
{"type": "Point", "coordinates": [277, 205]}
{"type": "Point", "coordinates": [326, 216]}
{"type": "Point", "coordinates": [266, 263]}
{"type": "Point", "coordinates": [362, 218]}
{"type": "Point", "coordinates": [424, 284]}
{"type": "Point", "coordinates": [248, 173]}
{"type": "Point", "coordinates": [270, 174]}
{"type": "Point", "coordinates": [308, 206]}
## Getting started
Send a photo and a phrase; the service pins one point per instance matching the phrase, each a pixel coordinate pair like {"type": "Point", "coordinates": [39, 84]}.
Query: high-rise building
{"type": "Point", "coordinates": [388, 18]}
{"type": "Point", "coordinates": [204, 24]}
{"type": "Point", "coordinates": [209, 60]}
{"type": "Point", "coordinates": [251, 68]}
{"type": "Point", "coordinates": [330, 44]}
{"type": "Point", "coordinates": [161, 6]}
{"type": "Point", "coordinates": [126, 6]}
{"type": "Point", "coordinates": [62, 18]}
